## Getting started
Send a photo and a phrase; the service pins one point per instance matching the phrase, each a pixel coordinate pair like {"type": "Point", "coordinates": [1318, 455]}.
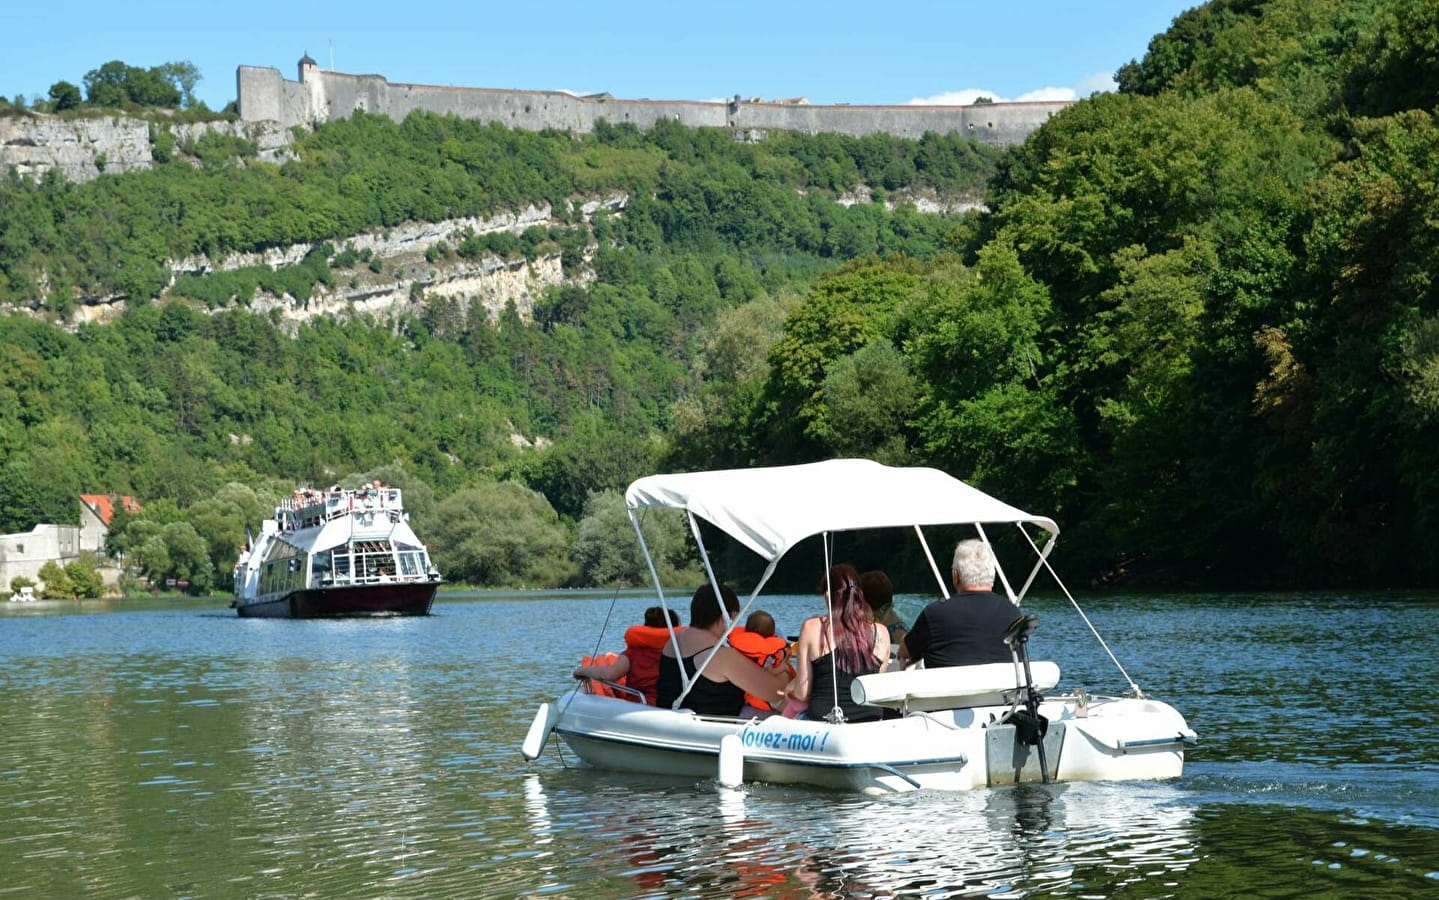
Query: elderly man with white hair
{"type": "Point", "coordinates": [966, 629]}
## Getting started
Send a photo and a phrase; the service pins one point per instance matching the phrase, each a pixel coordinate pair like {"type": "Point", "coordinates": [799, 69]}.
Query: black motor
{"type": "Point", "coordinates": [1029, 726]}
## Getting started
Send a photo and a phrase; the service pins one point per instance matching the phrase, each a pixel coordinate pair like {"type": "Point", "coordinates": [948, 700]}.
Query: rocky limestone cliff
{"type": "Point", "coordinates": [78, 148]}
{"type": "Point", "coordinates": [407, 281]}
{"type": "Point", "coordinates": [490, 282]}
{"type": "Point", "coordinates": [273, 140]}
{"type": "Point", "coordinates": [81, 149]}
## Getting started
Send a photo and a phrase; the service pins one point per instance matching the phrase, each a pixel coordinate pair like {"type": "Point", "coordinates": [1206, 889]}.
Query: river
{"type": "Point", "coordinates": [171, 749]}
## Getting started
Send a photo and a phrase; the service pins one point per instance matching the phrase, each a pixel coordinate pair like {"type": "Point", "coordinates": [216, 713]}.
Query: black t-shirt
{"type": "Point", "coordinates": [965, 630]}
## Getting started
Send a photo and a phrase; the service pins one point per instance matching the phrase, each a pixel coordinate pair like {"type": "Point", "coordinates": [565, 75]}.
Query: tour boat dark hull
{"type": "Point", "coordinates": [410, 599]}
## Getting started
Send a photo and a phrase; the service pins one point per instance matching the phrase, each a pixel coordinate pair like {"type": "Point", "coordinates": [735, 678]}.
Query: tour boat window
{"type": "Point", "coordinates": [409, 563]}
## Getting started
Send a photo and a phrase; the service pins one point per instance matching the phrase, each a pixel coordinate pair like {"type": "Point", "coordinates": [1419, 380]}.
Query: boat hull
{"type": "Point", "coordinates": [408, 599]}
{"type": "Point", "coordinates": [1116, 739]}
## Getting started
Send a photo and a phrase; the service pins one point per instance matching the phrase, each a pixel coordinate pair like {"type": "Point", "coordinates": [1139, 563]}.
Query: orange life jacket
{"type": "Point", "coordinates": [765, 651]}
{"type": "Point", "coordinates": [643, 644]}
{"type": "Point", "coordinates": [599, 688]}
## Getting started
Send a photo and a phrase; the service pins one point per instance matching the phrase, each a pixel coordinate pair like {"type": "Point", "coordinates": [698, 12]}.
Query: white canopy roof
{"type": "Point", "coordinates": [770, 510]}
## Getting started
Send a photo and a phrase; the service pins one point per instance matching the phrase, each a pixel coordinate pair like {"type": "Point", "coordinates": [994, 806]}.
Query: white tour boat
{"type": "Point", "coordinates": [951, 728]}
{"type": "Point", "coordinates": [335, 553]}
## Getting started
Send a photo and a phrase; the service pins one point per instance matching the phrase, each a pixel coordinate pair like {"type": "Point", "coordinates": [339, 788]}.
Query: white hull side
{"type": "Point", "coordinates": [943, 750]}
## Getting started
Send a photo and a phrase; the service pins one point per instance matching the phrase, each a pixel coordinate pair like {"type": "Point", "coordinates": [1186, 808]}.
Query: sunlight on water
{"type": "Point", "coordinates": [177, 751]}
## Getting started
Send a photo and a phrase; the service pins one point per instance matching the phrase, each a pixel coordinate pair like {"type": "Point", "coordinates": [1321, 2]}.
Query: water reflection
{"type": "Point", "coordinates": [701, 839]}
{"type": "Point", "coordinates": [337, 747]}
{"type": "Point", "coordinates": [159, 752]}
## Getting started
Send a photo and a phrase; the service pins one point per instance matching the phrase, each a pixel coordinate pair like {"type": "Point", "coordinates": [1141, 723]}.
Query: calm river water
{"type": "Point", "coordinates": [171, 749]}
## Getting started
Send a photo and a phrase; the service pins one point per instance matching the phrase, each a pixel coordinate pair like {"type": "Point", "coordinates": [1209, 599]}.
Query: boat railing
{"type": "Point", "coordinates": [603, 688]}
{"type": "Point", "coordinates": [344, 580]}
{"type": "Point", "coordinates": [309, 507]}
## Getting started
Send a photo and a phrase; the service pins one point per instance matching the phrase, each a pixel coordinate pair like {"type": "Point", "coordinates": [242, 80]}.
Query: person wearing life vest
{"type": "Point", "coordinates": [603, 662]}
{"type": "Point", "coordinates": [638, 666]}
{"type": "Point", "coordinates": [757, 641]}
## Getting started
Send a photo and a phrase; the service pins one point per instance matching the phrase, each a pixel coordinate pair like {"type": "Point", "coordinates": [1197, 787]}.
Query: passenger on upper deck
{"type": "Point", "coordinates": [966, 629]}
{"type": "Point", "coordinates": [719, 690]}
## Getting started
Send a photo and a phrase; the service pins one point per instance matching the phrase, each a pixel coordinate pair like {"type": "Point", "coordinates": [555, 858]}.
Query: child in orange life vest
{"type": "Point", "coordinates": [757, 641]}
{"type": "Point", "coordinates": [638, 666]}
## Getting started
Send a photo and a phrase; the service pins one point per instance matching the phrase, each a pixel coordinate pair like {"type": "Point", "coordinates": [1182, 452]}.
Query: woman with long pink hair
{"type": "Point", "coordinates": [837, 648]}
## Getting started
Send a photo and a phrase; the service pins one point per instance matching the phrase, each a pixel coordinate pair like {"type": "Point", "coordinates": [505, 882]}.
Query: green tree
{"type": "Point", "coordinates": [607, 553]}
{"type": "Point", "coordinates": [116, 84]}
{"type": "Point", "coordinates": [84, 578]}
{"type": "Point", "coordinates": [500, 535]}
{"type": "Point", "coordinates": [184, 76]}
{"type": "Point", "coordinates": [711, 426]}
{"type": "Point", "coordinates": [220, 522]}
{"type": "Point", "coordinates": [63, 96]}
{"type": "Point", "coordinates": [595, 457]}
{"type": "Point", "coordinates": [855, 306]}
{"type": "Point", "coordinates": [57, 582]}
{"type": "Point", "coordinates": [108, 85]}
{"type": "Point", "coordinates": [870, 397]}
{"type": "Point", "coordinates": [151, 555]}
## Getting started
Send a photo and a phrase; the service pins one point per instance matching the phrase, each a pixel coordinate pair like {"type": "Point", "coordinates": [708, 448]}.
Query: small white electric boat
{"type": "Point", "coordinates": [953, 728]}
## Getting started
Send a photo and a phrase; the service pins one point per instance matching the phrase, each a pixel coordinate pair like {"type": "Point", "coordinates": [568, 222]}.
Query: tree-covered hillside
{"type": "Point", "coordinates": [189, 391]}
{"type": "Point", "coordinates": [122, 235]}
{"type": "Point", "coordinates": [1196, 324]}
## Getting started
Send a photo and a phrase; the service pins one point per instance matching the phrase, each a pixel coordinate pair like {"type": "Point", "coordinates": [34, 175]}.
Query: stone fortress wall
{"type": "Point", "coordinates": [264, 95]}
{"type": "Point", "coordinates": [81, 148]}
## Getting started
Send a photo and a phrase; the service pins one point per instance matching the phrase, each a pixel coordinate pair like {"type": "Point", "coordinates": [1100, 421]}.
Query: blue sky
{"type": "Point", "coordinates": [829, 52]}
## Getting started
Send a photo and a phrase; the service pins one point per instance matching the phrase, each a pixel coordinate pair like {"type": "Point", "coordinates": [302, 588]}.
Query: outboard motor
{"type": "Point", "coordinates": [1029, 726]}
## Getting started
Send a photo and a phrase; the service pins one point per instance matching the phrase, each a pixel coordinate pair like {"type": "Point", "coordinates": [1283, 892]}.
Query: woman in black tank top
{"type": "Point", "coordinates": [838, 648]}
{"type": "Point", "coordinates": [706, 697]}
{"type": "Point", "coordinates": [719, 690]}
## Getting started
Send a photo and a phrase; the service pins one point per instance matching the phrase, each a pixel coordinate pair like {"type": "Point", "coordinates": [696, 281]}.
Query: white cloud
{"type": "Point", "coordinates": [1100, 81]}
{"type": "Point", "coordinates": [954, 98]}
{"type": "Point", "coordinates": [1046, 93]}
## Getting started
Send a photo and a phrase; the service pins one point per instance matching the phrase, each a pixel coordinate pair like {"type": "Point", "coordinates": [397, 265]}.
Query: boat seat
{"type": "Point", "coordinates": [951, 687]}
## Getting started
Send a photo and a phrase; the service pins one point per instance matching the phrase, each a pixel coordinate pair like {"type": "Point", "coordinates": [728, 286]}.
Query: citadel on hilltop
{"type": "Point", "coordinates": [264, 95]}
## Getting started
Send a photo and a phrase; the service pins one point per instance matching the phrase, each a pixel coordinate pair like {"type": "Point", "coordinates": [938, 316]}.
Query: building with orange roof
{"type": "Point", "coordinates": [97, 511]}
{"type": "Point", "coordinates": [24, 554]}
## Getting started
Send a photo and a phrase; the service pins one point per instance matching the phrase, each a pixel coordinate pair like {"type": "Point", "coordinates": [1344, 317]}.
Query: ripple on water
{"type": "Point", "coordinates": [160, 752]}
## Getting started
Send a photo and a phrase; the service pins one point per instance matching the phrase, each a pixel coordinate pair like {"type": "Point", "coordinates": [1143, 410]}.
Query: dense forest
{"type": "Point", "coordinates": [1195, 322]}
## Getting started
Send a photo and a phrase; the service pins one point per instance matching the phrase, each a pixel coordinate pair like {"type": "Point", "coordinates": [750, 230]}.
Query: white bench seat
{"type": "Point", "coordinates": [952, 687]}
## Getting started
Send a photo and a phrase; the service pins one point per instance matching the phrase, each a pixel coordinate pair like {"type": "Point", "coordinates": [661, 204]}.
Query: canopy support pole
{"type": "Point", "coordinates": [998, 569]}
{"type": "Point", "coordinates": [835, 715]}
{"type": "Point", "coordinates": [933, 566]}
{"type": "Point", "coordinates": [1134, 688]}
{"type": "Point", "coordinates": [687, 682]}
{"type": "Point", "coordinates": [659, 590]}
{"type": "Point", "coordinates": [1039, 563]}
